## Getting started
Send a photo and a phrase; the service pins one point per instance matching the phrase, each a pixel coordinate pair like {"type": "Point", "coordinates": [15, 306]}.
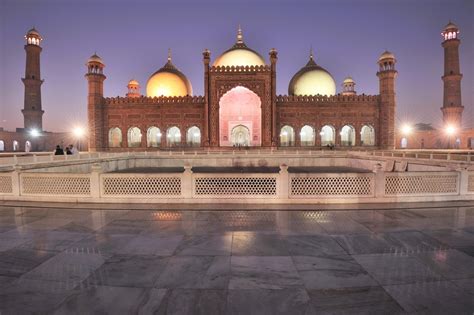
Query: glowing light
{"type": "Point", "coordinates": [450, 130]}
{"type": "Point", "coordinates": [407, 129]}
{"type": "Point", "coordinates": [78, 132]}
{"type": "Point", "coordinates": [34, 133]}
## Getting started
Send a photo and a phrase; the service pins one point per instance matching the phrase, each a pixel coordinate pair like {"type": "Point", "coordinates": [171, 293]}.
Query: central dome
{"type": "Point", "coordinates": [168, 81]}
{"type": "Point", "coordinates": [312, 80]}
{"type": "Point", "coordinates": [239, 55]}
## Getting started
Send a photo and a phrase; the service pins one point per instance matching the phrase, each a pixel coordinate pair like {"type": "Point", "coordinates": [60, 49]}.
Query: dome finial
{"type": "Point", "coordinates": [240, 37]}
{"type": "Point", "coordinates": [311, 53]}
{"type": "Point", "coordinates": [169, 54]}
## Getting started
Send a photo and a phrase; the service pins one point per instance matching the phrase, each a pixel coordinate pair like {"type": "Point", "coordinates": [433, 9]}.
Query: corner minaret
{"type": "Point", "coordinates": [32, 111]}
{"type": "Point", "coordinates": [95, 101]}
{"type": "Point", "coordinates": [452, 107]}
{"type": "Point", "coordinates": [387, 75]}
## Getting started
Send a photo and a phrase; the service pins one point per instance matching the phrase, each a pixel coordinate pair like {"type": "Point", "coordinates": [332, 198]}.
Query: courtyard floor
{"type": "Point", "coordinates": [84, 259]}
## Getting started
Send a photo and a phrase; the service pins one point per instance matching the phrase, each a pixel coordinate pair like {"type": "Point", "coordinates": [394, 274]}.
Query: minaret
{"type": "Point", "coordinates": [32, 111]}
{"type": "Point", "coordinates": [348, 86]}
{"type": "Point", "coordinates": [95, 101]}
{"type": "Point", "coordinates": [387, 75]}
{"type": "Point", "coordinates": [133, 88]}
{"type": "Point", "coordinates": [452, 107]}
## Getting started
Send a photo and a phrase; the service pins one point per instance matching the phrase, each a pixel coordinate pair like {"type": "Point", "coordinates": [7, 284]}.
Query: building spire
{"type": "Point", "coordinates": [240, 37]}
{"type": "Point", "coordinates": [169, 54]}
{"type": "Point", "coordinates": [311, 53]}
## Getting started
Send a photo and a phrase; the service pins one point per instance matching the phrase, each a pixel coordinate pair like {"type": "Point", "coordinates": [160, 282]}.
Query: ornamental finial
{"type": "Point", "coordinates": [240, 37]}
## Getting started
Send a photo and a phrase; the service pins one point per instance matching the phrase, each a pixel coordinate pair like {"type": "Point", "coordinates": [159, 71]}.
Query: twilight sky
{"type": "Point", "coordinates": [133, 38]}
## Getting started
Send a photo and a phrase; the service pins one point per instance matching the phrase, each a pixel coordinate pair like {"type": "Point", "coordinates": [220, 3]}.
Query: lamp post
{"type": "Point", "coordinates": [450, 131]}
{"type": "Point", "coordinates": [78, 134]}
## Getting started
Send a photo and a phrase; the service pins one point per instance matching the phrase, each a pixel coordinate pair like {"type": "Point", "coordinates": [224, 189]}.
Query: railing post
{"type": "Point", "coordinates": [463, 181]}
{"type": "Point", "coordinates": [96, 170]}
{"type": "Point", "coordinates": [379, 181]}
{"type": "Point", "coordinates": [187, 182]}
{"type": "Point", "coordinates": [16, 181]}
{"type": "Point", "coordinates": [283, 182]}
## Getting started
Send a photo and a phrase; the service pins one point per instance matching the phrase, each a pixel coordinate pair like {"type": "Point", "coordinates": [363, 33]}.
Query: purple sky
{"type": "Point", "coordinates": [133, 38]}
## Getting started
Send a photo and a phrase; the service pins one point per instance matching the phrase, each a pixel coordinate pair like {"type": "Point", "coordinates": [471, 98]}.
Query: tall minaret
{"type": "Point", "coordinates": [387, 75]}
{"type": "Point", "coordinates": [32, 111]}
{"type": "Point", "coordinates": [95, 101]}
{"type": "Point", "coordinates": [452, 107]}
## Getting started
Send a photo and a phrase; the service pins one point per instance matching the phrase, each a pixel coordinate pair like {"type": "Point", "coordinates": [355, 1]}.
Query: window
{"type": "Point", "coordinates": [367, 135]}
{"type": "Point", "coordinates": [173, 136]}
{"type": "Point", "coordinates": [134, 137]}
{"type": "Point", "coordinates": [328, 135]}
{"type": "Point", "coordinates": [307, 136]}
{"type": "Point", "coordinates": [287, 136]}
{"type": "Point", "coordinates": [115, 137]}
{"type": "Point", "coordinates": [153, 137]}
{"type": "Point", "coordinates": [193, 137]}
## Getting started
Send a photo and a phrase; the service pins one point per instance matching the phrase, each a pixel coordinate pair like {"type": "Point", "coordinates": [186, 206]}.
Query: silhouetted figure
{"type": "Point", "coordinates": [68, 151]}
{"type": "Point", "coordinates": [58, 150]}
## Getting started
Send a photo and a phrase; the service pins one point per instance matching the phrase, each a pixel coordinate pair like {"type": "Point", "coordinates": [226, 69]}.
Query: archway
{"type": "Point", "coordinates": [193, 137]}
{"type": "Point", "coordinates": [2, 146]}
{"type": "Point", "coordinates": [115, 137]}
{"type": "Point", "coordinates": [307, 136]}
{"type": "Point", "coordinates": [287, 136]}
{"type": "Point", "coordinates": [16, 146]}
{"type": "Point", "coordinates": [328, 135]}
{"type": "Point", "coordinates": [347, 136]}
{"type": "Point", "coordinates": [173, 136]}
{"type": "Point", "coordinates": [240, 136]}
{"type": "Point", "coordinates": [240, 107]}
{"type": "Point", "coordinates": [404, 143]}
{"type": "Point", "coordinates": [27, 146]}
{"type": "Point", "coordinates": [134, 137]}
{"type": "Point", "coordinates": [367, 135]}
{"type": "Point", "coordinates": [153, 137]}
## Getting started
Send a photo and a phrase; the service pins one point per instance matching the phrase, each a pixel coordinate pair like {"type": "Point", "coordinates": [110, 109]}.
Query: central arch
{"type": "Point", "coordinates": [240, 107]}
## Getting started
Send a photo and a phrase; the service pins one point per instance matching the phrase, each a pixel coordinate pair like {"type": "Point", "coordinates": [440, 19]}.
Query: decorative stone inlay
{"type": "Point", "coordinates": [241, 186]}
{"type": "Point", "coordinates": [421, 184]}
{"type": "Point", "coordinates": [331, 186]}
{"type": "Point", "coordinates": [55, 185]}
{"type": "Point", "coordinates": [470, 183]}
{"type": "Point", "coordinates": [153, 185]}
{"type": "Point", "coordinates": [6, 186]}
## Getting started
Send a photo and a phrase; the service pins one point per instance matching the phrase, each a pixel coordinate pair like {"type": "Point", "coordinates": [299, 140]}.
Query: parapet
{"type": "Point", "coordinates": [155, 100]}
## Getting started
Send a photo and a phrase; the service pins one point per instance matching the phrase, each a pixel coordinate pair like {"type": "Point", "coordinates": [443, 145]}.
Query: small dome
{"type": "Point", "coordinates": [312, 80]}
{"type": "Point", "coordinates": [95, 58]}
{"type": "Point", "coordinates": [386, 55]}
{"type": "Point", "coordinates": [239, 55]}
{"type": "Point", "coordinates": [133, 82]}
{"type": "Point", "coordinates": [450, 26]}
{"type": "Point", "coordinates": [168, 81]}
{"type": "Point", "coordinates": [34, 32]}
{"type": "Point", "coordinates": [348, 80]}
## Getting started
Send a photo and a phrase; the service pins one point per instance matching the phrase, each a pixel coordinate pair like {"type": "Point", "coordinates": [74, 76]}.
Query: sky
{"type": "Point", "coordinates": [133, 38]}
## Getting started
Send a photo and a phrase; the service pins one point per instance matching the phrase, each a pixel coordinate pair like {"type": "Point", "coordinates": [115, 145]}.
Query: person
{"type": "Point", "coordinates": [68, 151]}
{"type": "Point", "coordinates": [73, 149]}
{"type": "Point", "coordinates": [58, 150]}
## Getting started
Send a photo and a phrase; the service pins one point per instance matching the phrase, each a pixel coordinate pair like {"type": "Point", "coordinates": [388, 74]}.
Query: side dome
{"type": "Point", "coordinates": [168, 81]}
{"type": "Point", "coordinates": [312, 80]}
{"type": "Point", "coordinates": [239, 55]}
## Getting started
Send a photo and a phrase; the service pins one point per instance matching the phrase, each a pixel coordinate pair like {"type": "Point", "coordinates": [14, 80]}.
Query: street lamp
{"type": "Point", "coordinates": [450, 131]}
{"type": "Point", "coordinates": [34, 133]}
{"type": "Point", "coordinates": [78, 133]}
{"type": "Point", "coordinates": [406, 129]}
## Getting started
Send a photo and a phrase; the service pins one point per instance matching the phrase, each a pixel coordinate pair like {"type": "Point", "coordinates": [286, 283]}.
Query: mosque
{"type": "Point", "coordinates": [240, 107]}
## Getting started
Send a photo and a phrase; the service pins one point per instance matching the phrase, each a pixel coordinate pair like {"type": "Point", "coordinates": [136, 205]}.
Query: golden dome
{"type": "Point", "coordinates": [239, 55]}
{"type": "Point", "coordinates": [312, 80]}
{"type": "Point", "coordinates": [168, 81]}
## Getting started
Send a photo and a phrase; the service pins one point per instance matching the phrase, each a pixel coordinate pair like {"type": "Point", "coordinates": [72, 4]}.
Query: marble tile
{"type": "Point", "coordinates": [465, 284]}
{"type": "Point", "coordinates": [10, 243]}
{"type": "Point", "coordinates": [257, 244]}
{"type": "Point", "coordinates": [26, 296]}
{"type": "Point", "coordinates": [125, 227]}
{"type": "Point", "coordinates": [452, 238]}
{"type": "Point", "coordinates": [364, 243]}
{"type": "Point", "coordinates": [331, 272]}
{"type": "Point", "coordinates": [75, 227]}
{"type": "Point", "coordinates": [412, 241]}
{"type": "Point", "coordinates": [152, 245]}
{"type": "Point", "coordinates": [16, 262]}
{"type": "Point", "coordinates": [263, 272]}
{"type": "Point", "coordinates": [112, 300]}
{"type": "Point", "coordinates": [104, 244]}
{"type": "Point", "coordinates": [300, 227]}
{"type": "Point", "coordinates": [129, 271]}
{"type": "Point", "coordinates": [313, 245]}
{"type": "Point", "coordinates": [45, 224]}
{"type": "Point", "coordinates": [195, 272]}
{"type": "Point", "coordinates": [284, 301]}
{"type": "Point", "coordinates": [343, 225]}
{"type": "Point", "coordinates": [359, 300]}
{"type": "Point", "coordinates": [451, 264]}
{"type": "Point", "coordinates": [207, 245]}
{"type": "Point", "coordinates": [69, 266]}
{"type": "Point", "coordinates": [438, 297]}
{"type": "Point", "coordinates": [53, 240]}
{"type": "Point", "coordinates": [396, 268]}
{"type": "Point", "coordinates": [188, 301]}
{"type": "Point", "coordinates": [6, 281]}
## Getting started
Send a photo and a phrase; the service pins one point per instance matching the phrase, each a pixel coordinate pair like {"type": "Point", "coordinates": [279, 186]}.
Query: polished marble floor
{"type": "Point", "coordinates": [101, 260]}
